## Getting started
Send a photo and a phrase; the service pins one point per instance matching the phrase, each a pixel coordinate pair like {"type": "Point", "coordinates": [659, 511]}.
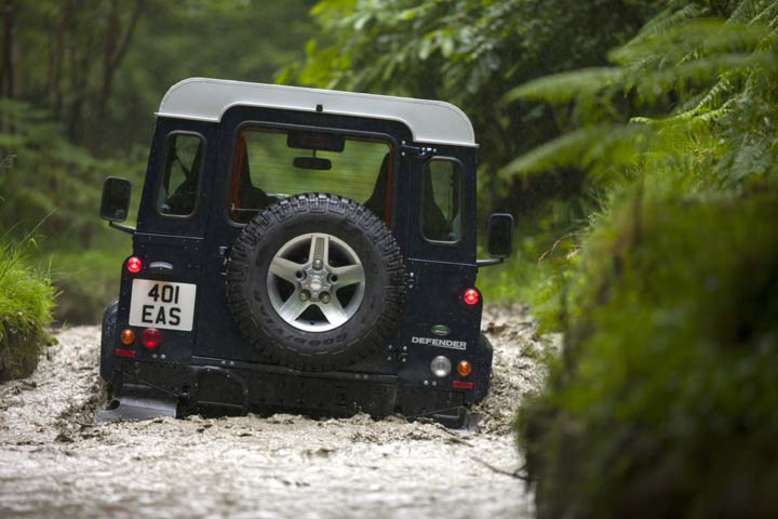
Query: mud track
{"type": "Point", "coordinates": [55, 462]}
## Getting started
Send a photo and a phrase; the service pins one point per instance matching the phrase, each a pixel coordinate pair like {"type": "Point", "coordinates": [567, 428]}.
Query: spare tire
{"type": "Point", "coordinates": [316, 282]}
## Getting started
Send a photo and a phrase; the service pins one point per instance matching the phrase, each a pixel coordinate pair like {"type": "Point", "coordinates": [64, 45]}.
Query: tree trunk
{"type": "Point", "coordinates": [7, 67]}
{"type": "Point", "coordinates": [112, 28]}
{"type": "Point", "coordinates": [114, 50]}
{"type": "Point", "coordinates": [81, 65]}
{"type": "Point", "coordinates": [58, 58]}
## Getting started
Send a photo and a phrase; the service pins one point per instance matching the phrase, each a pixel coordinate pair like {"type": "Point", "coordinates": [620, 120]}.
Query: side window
{"type": "Point", "coordinates": [177, 192]}
{"type": "Point", "coordinates": [441, 206]}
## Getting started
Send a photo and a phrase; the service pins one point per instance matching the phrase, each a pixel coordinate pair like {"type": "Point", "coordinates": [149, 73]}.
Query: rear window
{"type": "Point", "coordinates": [269, 165]}
{"type": "Point", "coordinates": [180, 180]}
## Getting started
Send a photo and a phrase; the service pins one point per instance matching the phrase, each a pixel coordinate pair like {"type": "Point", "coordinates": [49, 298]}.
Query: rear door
{"type": "Point", "coordinates": [166, 294]}
{"type": "Point", "coordinates": [221, 339]}
{"type": "Point", "coordinates": [442, 245]}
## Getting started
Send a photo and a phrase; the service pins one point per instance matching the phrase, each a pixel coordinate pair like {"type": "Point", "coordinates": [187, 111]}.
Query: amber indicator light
{"type": "Point", "coordinates": [127, 337]}
{"type": "Point", "coordinates": [464, 368]}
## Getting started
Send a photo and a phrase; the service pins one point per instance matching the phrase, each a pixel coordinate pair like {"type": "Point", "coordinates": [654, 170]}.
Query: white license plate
{"type": "Point", "coordinates": [160, 304]}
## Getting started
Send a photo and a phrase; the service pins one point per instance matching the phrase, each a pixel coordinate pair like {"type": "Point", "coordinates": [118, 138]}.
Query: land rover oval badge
{"type": "Point", "coordinates": [441, 330]}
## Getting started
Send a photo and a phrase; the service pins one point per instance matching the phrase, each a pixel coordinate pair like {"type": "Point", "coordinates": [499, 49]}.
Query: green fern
{"type": "Point", "coordinates": [586, 147]}
{"type": "Point", "coordinates": [568, 86]}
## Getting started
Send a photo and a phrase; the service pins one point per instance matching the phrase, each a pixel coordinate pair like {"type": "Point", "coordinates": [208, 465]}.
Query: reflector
{"type": "Point", "coordinates": [461, 384]}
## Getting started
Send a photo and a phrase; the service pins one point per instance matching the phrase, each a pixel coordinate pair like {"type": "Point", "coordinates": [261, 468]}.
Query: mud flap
{"type": "Point", "coordinates": [455, 418]}
{"type": "Point", "coordinates": [137, 406]}
{"type": "Point", "coordinates": [445, 407]}
{"type": "Point", "coordinates": [108, 341]}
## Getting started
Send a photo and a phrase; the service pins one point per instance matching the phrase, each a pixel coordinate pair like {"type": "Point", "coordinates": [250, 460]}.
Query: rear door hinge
{"type": "Point", "coordinates": [410, 280]}
{"type": "Point", "coordinates": [420, 152]}
{"type": "Point", "coordinates": [224, 252]}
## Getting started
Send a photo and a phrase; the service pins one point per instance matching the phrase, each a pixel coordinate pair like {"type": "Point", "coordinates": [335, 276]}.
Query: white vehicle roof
{"type": "Point", "coordinates": [205, 99]}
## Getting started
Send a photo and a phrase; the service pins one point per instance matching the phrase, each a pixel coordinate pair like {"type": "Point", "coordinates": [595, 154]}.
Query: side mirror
{"type": "Point", "coordinates": [115, 203]}
{"type": "Point", "coordinates": [500, 235]}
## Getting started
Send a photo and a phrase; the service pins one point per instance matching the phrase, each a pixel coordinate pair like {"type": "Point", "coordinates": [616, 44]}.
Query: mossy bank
{"type": "Point", "coordinates": [664, 402]}
{"type": "Point", "coordinates": [26, 301]}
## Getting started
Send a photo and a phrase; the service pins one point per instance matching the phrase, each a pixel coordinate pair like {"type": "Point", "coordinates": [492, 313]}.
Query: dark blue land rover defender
{"type": "Point", "coordinates": [300, 250]}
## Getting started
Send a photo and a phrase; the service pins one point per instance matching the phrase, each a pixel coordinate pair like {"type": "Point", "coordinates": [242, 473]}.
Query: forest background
{"type": "Point", "coordinates": [634, 141]}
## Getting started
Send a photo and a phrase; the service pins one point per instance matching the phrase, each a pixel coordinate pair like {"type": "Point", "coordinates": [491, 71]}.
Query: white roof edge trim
{"type": "Point", "coordinates": [203, 99]}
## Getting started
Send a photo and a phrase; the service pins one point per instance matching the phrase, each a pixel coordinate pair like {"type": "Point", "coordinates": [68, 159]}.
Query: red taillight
{"type": "Point", "coordinates": [151, 338]}
{"type": "Point", "coordinates": [134, 265]}
{"type": "Point", "coordinates": [471, 297]}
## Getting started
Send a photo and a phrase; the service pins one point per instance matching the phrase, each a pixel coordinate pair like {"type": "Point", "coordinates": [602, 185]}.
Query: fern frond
{"type": "Point", "coordinates": [768, 16]}
{"type": "Point", "coordinates": [651, 86]}
{"type": "Point", "coordinates": [696, 39]}
{"type": "Point", "coordinates": [745, 11]}
{"type": "Point", "coordinates": [566, 86]}
{"type": "Point", "coordinates": [718, 95]}
{"type": "Point", "coordinates": [581, 148]}
{"type": "Point", "coordinates": [667, 20]}
{"type": "Point", "coordinates": [689, 121]}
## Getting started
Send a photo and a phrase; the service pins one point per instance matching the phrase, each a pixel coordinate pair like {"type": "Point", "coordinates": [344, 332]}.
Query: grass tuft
{"type": "Point", "coordinates": [26, 302]}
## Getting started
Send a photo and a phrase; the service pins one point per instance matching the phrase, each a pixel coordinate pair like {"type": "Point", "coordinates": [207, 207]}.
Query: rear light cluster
{"type": "Point", "coordinates": [127, 339]}
{"type": "Point", "coordinates": [440, 366]}
{"type": "Point", "coordinates": [150, 338]}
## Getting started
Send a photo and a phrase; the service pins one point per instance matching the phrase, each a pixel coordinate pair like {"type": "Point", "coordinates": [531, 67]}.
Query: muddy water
{"type": "Point", "coordinates": [54, 460]}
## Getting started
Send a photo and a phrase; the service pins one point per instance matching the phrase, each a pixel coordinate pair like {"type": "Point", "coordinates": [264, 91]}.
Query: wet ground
{"type": "Point", "coordinates": [55, 462]}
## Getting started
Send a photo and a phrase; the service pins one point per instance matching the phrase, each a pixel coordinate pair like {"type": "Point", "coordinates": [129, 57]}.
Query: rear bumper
{"type": "Point", "coordinates": [217, 390]}
{"type": "Point", "coordinates": [217, 387]}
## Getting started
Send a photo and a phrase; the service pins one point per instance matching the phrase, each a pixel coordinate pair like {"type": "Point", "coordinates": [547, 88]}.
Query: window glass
{"type": "Point", "coordinates": [441, 217]}
{"type": "Point", "coordinates": [269, 165]}
{"type": "Point", "coordinates": [177, 195]}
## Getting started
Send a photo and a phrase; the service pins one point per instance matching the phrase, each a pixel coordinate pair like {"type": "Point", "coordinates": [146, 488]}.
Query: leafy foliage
{"type": "Point", "coordinates": [49, 178]}
{"type": "Point", "coordinates": [665, 398]}
{"type": "Point", "coordinates": [662, 399]}
{"type": "Point", "coordinates": [53, 185]}
{"type": "Point", "coordinates": [708, 73]}
{"type": "Point", "coordinates": [101, 67]}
